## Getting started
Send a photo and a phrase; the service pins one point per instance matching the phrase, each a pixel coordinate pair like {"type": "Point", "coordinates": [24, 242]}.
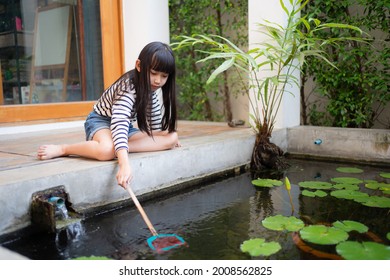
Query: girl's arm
{"type": "Point", "coordinates": [125, 173]}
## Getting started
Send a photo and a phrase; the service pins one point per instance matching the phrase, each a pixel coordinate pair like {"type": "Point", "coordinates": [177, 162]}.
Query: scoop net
{"type": "Point", "coordinates": [165, 242]}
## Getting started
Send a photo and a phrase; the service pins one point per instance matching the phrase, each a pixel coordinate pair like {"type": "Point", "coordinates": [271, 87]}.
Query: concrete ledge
{"type": "Point", "coordinates": [6, 254]}
{"type": "Point", "coordinates": [92, 184]}
{"type": "Point", "coordinates": [352, 144]}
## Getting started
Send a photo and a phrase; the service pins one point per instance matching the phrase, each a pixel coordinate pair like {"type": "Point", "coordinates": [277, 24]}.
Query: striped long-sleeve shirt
{"type": "Point", "coordinates": [118, 103]}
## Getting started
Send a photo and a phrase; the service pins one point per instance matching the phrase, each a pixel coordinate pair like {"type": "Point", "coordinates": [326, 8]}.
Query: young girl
{"type": "Point", "coordinates": [133, 97]}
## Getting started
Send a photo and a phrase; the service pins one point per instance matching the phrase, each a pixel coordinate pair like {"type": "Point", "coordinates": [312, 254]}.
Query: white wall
{"type": "Point", "coordinates": [148, 20]}
{"type": "Point", "coordinates": [289, 112]}
{"type": "Point", "coordinates": [144, 21]}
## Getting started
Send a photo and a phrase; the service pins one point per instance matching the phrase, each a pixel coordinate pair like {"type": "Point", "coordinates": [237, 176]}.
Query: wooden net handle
{"type": "Point", "coordinates": [141, 211]}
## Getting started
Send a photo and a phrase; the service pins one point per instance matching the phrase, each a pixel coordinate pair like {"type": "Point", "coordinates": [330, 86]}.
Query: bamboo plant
{"type": "Point", "coordinates": [281, 55]}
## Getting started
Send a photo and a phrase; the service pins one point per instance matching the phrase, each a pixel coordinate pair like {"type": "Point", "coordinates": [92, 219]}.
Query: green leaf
{"type": "Point", "coordinates": [349, 170]}
{"type": "Point", "coordinates": [323, 235]}
{"type": "Point", "coordinates": [346, 187]}
{"type": "Point", "coordinates": [283, 6]}
{"type": "Point", "coordinates": [258, 247]}
{"type": "Point", "coordinates": [339, 25]}
{"type": "Point", "coordinates": [350, 226]}
{"type": "Point", "coordinates": [318, 193]}
{"type": "Point", "coordinates": [377, 201]}
{"type": "Point", "coordinates": [388, 235]}
{"type": "Point", "coordinates": [267, 183]}
{"type": "Point", "coordinates": [349, 194]}
{"type": "Point", "coordinates": [385, 175]}
{"type": "Point", "coordinates": [223, 67]}
{"type": "Point", "coordinates": [347, 180]}
{"type": "Point", "coordinates": [281, 223]}
{"type": "Point", "coordinates": [92, 258]}
{"type": "Point", "coordinates": [315, 185]}
{"type": "Point", "coordinates": [377, 185]}
{"type": "Point", "coordinates": [352, 250]}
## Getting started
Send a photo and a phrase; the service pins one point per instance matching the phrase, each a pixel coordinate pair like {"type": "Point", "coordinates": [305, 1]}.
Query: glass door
{"type": "Point", "coordinates": [49, 50]}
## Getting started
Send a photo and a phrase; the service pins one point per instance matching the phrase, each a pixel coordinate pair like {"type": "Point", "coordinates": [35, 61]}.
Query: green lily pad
{"type": "Point", "coordinates": [352, 250]}
{"type": "Point", "coordinates": [370, 181]}
{"type": "Point", "coordinates": [362, 199]}
{"type": "Point", "coordinates": [318, 193]}
{"type": "Point", "coordinates": [350, 226]}
{"type": "Point", "coordinates": [323, 235]}
{"type": "Point", "coordinates": [280, 223]}
{"type": "Point", "coordinates": [92, 258]}
{"type": "Point", "coordinates": [319, 185]}
{"type": "Point", "coordinates": [349, 194]}
{"type": "Point", "coordinates": [377, 201]}
{"type": "Point", "coordinates": [349, 170]}
{"type": "Point", "coordinates": [346, 187]}
{"type": "Point", "coordinates": [258, 247]}
{"type": "Point", "coordinates": [385, 175]}
{"type": "Point", "coordinates": [268, 183]}
{"type": "Point", "coordinates": [376, 186]}
{"type": "Point", "coordinates": [346, 180]}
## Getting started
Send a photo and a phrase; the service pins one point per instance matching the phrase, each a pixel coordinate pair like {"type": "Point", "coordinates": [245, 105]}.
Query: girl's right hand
{"type": "Point", "coordinates": [125, 173]}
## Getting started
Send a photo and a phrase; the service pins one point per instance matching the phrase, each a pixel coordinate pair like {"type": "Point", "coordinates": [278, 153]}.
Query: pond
{"type": "Point", "coordinates": [217, 218]}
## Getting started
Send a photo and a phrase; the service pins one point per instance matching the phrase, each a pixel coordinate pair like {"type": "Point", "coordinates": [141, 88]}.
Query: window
{"type": "Point", "coordinates": [51, 56]}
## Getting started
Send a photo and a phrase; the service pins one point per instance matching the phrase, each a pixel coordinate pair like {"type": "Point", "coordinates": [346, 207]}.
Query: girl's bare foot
{"type": "Point", "coordinates": [50, 151]}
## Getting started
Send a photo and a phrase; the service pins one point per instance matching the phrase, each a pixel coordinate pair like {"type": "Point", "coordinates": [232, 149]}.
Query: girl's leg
{"type": "Point", "coordinates": [101, 147]}
{"type": "Point", "coordinates": [141, 142]}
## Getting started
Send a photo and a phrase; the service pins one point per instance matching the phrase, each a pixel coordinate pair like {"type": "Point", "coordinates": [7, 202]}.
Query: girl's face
{"type": "Point", "coordinates": [157, 79]}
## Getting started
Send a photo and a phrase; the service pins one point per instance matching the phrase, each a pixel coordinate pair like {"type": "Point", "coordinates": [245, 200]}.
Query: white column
{"type": "Point", "coordinates": [289, 112]}
{"type": "Point", "coordinates": [144, 21]}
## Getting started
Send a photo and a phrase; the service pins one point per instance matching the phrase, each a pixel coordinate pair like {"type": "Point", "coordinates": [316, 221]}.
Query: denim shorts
{"type": "Point", "coordinates": [95, 122]}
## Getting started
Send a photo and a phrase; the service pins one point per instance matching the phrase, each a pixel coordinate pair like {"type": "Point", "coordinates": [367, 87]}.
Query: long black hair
{"type": "Point", "coordinates": [159, 57]}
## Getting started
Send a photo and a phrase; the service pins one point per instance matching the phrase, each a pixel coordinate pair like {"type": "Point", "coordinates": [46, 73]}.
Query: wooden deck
{"type": "Point", "coordinates": [19, 149]}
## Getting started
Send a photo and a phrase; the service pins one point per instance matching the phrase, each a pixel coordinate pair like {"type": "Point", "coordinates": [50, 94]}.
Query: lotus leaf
{"type": "Point", "coordinates": [258, 247]}
{"type": "Point", "coordinates": [268, 183]}
{"type": "Point", "coordinates": [377, 201]}
{"type": "Point", "coordinates": [385, 175]}
{"type": "Point", "coordinates": [346, 180]}
{"type": "Point", "coordinates": [92, 258]}
{"type": "Point", "coordinates": [318, 193]}
{"type": "Point", "coordinates": [349, 170]}
{"type": "Point", "coordinates": [319, 185]}
{"type": "Point", "coordinates": [375, 186]}
{"type": "Point", "coordinates": [323, 235]}
{"type": "Point", "coordinates": [370, 181]}
{"type": "Point", "coordinates": [352, 250]}
{"type": "Point", "coordinates": [280, 222]}
{"type": "Point", "coordinates": [362, 199]}
{"type": "Point", "coordinates": [349, 194]}
{"type": "Point", "coordinates": [350, 226]}
{"type": "Point", "coordinates": [346, 187]}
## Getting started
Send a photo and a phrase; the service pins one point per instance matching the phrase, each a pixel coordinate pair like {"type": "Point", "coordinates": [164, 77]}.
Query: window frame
{"type": "Point", "coordinates": [113, 67]}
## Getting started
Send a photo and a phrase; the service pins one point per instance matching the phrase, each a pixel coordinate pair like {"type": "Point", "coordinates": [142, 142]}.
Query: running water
{"type": "Point", "coordinates": [62, 212]}
{"type": "Point", "coordinates": [69, 229]}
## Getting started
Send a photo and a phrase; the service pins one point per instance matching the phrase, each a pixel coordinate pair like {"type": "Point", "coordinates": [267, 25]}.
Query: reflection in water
{"type": "Point", "coordinates": [263, 203]}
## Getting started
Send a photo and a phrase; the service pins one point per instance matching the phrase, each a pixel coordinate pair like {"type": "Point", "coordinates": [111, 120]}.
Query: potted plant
{"type": "Point", "coordinates": [283, 53]}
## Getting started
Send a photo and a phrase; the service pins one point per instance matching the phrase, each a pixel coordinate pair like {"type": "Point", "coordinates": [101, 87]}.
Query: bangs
{"type": "Point", "coordinates": [163, 61]}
